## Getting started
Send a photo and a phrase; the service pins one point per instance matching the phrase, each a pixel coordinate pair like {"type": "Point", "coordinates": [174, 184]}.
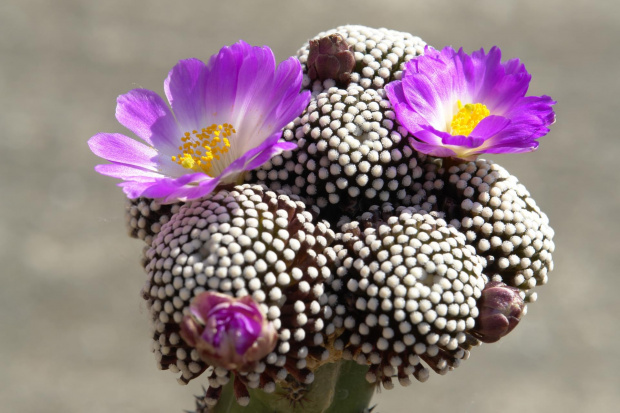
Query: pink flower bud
{"type": "Point", "coordinates": [330, 57]}
{"type": "Point", "coordinates": [501, 308]}
{"type": "Point", "coordinates": [228, 332]}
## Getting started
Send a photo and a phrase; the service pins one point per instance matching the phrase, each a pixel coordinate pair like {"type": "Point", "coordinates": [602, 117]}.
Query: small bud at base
{"type": "Point", "coordinates": [228, 332]}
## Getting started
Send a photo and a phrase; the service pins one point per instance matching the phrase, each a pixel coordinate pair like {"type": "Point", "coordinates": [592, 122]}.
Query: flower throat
{"type": "Point", "coordinates": [199, 149]}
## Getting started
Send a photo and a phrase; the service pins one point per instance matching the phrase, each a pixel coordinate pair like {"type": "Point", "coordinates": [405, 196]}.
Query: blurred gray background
{"type": "Point", "coordinates": [74, 335]}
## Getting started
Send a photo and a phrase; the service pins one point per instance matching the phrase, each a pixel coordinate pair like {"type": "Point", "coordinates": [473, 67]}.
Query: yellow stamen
{"type": "Point", "coordinates": [468, 117]}
{"type": "Point", "coordinates": [199, 151]}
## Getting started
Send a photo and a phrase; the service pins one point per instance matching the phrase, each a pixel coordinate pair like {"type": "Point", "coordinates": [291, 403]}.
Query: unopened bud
{"type": "Point", "coordinates": [501, 308]}
{"type": "Point", "coordinates": [228, 332]}
{"type": "Point", "coordinates": [330, 57]}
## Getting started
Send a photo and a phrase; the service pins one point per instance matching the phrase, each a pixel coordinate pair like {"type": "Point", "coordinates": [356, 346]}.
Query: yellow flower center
{"type": "Point", "coordinates": [199, 149]}
{"type": "Point", "coordinates": [468, 117]}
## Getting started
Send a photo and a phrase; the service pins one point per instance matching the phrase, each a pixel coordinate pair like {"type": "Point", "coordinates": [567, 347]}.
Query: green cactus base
{"type": "Point", "coordinates": [337, 388]}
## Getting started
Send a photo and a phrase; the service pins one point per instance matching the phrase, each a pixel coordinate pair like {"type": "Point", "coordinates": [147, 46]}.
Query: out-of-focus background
{"type": "Point", "coordinates": [73, 328]}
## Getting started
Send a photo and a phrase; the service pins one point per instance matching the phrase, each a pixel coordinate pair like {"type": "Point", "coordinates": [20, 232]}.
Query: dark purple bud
{"type": "Point", "coordinates": [331, 57]}
{"type": "Point", "coordinates": [228, 332]}
{"type": "Point", "coordinates": [501, 308]}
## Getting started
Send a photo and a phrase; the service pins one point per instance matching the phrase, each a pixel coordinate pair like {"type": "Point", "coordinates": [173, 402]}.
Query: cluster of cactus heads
{"type": "Point", "coordinates": [352, 247]}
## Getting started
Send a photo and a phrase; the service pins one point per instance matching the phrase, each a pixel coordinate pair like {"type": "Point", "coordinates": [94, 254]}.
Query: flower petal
{"type": "Point", "coordinates": [427, 94]}
{"type": "Point", "coordinates": [287, 102]}
{"type": "Point", "coordinates": [121, 171]}
{"type": "Point", "coordinates": [255, 81]}
{"type": "Point", "coordinates": [430, 149]}
{"type": "Point", "coordinates": [517, 147]}
{"type": "Point", "coordinates": [410, 119]}
{"type": "Point", "coordinates": [120, 148]}
{"type": "Point", "coordinates": [253, 105]}
{"type": "Point", "coordinates": [462, 142]}
{"type": "Point", "coordinates": [251, 158]}
{"type": "Point", "coordinates": [221, 80]}
{"type": "Point", "coordinates": [204, 187]}
{"type": "Point", "coordinates": [185, 90]}
{"type": "Point", "coordinates": [530, 119]}
{"type": "Point", "coordinates": [489, 127]}
{"type": "Point", "coordinates": [145, 113]}
{"type": "Point", "coordinates": [267, 98]}
{"type": "Point", "coordinates": [176, 189]}
{"type": "Point", "coordinates": [134, 189]}
{"type": "Point", "coordinates": [534, 110]}
{"type": "Point", "coordinates": [501, 84]}
{"type": "Point", "coordinates": [266, 154]}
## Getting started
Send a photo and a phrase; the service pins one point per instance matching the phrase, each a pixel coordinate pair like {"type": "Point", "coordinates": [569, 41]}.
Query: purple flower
{"type": "Point", "coordinates": [460, 106]}
{"type": "Point", "coordinates": [226, 118]}
{"type": "Point", "coordinates": [228, 332]}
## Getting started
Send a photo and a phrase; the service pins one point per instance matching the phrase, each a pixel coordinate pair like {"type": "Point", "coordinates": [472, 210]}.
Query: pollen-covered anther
{"type": "Point", "coordinates": [200, 149]}
{"type": "Point", "coordinates": [467, 118]}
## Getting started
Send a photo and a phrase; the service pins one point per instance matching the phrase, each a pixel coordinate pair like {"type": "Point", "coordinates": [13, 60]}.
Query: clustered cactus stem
{"type": "Point", "coordinates": [349, 263]}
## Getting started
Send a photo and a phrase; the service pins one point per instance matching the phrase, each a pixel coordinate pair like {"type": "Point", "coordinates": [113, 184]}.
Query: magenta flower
{"type": "Point", "coordinates": [460, 106]}
{"type": "Point", "coordinates": [228, 332]}
{"type": "Point", "coordinates": [225, 118]}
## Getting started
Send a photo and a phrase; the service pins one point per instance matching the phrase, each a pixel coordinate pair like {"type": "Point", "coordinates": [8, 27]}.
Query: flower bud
{"type": "Point", "coordinates": [228, 332]}
{"type": "Point", "coordinates": [330, 57]}
{"type": "Point", "coordinates": [501, 308]}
